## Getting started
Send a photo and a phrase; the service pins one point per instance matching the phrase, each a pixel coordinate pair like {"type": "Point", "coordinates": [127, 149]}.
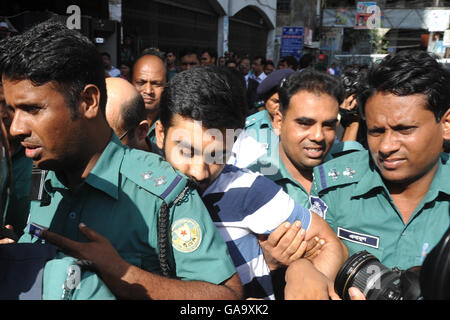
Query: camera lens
{"type": "Point", "coordinates": [365, 272]}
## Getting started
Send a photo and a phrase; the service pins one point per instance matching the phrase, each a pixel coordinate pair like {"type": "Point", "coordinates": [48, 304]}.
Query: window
{"type": "Point", "coordinates": [283, 6]}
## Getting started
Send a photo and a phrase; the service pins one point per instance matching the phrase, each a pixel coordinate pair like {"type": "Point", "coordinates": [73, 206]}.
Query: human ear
{"type": "Point", "coordinates": [159, 133]}
{"type": "Point", "coordinates": [90, 101]}
{"type": "Point", "coordinates": [445, 121]}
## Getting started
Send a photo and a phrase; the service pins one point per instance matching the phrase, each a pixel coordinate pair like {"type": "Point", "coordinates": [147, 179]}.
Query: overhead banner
{"type": "Point", "coordinates": [331, 39]}
{"type": "Point", "coordinates": [446, 41]}
{"type": "Point", "coordinates": [368, 15]}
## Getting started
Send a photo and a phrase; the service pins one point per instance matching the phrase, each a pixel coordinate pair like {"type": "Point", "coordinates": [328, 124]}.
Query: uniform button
{"type": "Point", "coordinates": [72, 215]}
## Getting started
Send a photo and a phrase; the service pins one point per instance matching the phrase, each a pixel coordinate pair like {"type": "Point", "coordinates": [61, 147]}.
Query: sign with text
{"type": "Point", "coordinates": [292, 42]}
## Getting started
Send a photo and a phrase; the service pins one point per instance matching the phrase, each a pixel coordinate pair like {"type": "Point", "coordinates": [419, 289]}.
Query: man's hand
{"type": "Point", "coordinates": [356, 294]}
{"type": "Point", "coordinates": [127, 281]}
{"type": "Point", "coordinates": [99, 250]}
{"type": "Point", "coordinates": [305, 282]}
{"type": "Point", "coordinates": [287, 244]}
{"type": "Point", "coordinates": [7, 240]}
{"type": "Point", "coordinates": [349, 103]}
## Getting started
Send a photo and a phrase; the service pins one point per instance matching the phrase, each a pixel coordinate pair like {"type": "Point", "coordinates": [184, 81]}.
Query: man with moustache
{"type": "Point", "coordinates": [19, 203]}
{"type": "Point", "coordinates": [149, 78]}
{"type": "Point", "coordinates": [54, 80]}
{"type": "Point", "coordinates": [394, 199]}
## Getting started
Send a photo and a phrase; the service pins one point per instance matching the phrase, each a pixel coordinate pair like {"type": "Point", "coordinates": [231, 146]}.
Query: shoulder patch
{"type": "Point", "coordinates": [255, 118]}
{"type": "Point", "coordinates": [345, 169]}
{"type": "Point", "coordinates": [150, 172]}
{"type": "Point", "coordinates": [186, 235]}
{"type": "Point", "coordinates": [318, 206]}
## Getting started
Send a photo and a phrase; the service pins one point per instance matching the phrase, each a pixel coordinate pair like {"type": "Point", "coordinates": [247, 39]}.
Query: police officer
{"type": "Point", "coordinates": [194, 131]}
{"type": "Point", "coordinates": [151, 221]}
{"type": "Point", "coordinates": [18, 200]}
{"type": "Point", "coordinates": [149, 78]}
{"type": "Point", "coordinates": [309, 103]}
{"type": "Point", "coordinates": [393, 200]}
{"type": "Point", "coordinates": [259, 126]}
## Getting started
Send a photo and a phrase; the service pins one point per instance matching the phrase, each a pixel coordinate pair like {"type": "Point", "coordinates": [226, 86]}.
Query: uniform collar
{"type": "Point", "coordinates": [261, 118]}
{"type": "Point", "coordinates": [105, 174]}
{"type": "Point", "coordinates": [151, 131]}
{"type": "Point", "coordinates": [372, 180]}
{"type": "Point", "coordinates": [265, 121]}
{"type": "Point", "coordinates": [282, 172]}
{"type": "Point", "coordinates": [440, 180]}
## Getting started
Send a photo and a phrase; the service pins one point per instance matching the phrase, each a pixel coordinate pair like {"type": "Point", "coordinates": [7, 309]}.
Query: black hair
{"type": "Point", "coordinates": [106, 54]}
{"type": "Point", "coordinates": [231, 61]}
{"type": "Point", "coordinates": [132, 112]}
{"type": "Point", "coordinates": [51, 52]}
{"type": "Point", "coordinates": [309, 80]}
{"type": "Point", "coordinates": [291, 61]}
{"type": "Point", "coordinates": [188, 51]}
{"type": "Point", "coordinates": [212, 53]}
{"type": "Point", "coordinates": [263, 60]}
{"type": "Point", "coordinates": [154, 52]}
{"type": "Point", "coordinates": [306, 61]}
{"type": "Point", "coordinates": [208, 94]}
{"type": "Point", "coordinates": [410, 72]}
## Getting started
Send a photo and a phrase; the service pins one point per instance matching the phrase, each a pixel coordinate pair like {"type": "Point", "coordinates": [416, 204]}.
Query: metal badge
{"type": "Point", "coordinates": [333, 173]}
{"type": "Point", "coordinates": [349, 172]}
{"type": "Point", "coordinates": [160, 181]}
{"type": "Point", "coordinates": [147, 175]}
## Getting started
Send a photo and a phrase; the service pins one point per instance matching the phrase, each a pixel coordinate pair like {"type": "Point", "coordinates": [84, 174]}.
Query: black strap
{"type": "Point", "coordinates": [163, 232]}
{"type": "Point", "coordinates": [8, 233]}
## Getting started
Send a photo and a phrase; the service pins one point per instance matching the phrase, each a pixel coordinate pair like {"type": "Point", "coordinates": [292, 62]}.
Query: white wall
{"type": "Point", "coordinates": [268, 10]}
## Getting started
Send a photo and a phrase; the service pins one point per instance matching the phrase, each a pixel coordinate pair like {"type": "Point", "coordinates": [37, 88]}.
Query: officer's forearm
{"type": "Point", "coordinates": [333, 253]}
{"type": "Point", "coordinates": [135, 283]}
{"type": "Point", "coordinates": [332, 256]}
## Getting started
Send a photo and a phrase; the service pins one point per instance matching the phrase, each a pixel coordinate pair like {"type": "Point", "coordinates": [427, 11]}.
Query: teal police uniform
{"type": "Point", "coordinates": [255, 141]}
{"type": "Point", "coordinates": [19, 201]}
{"type": "Point", "coordinates": [259, 127]}
{"type": "Point", "coordinates": [151, 135]}
{"type": "Point", "coordinates": [273, 168]}
{"type": "Point", "coordinates": [359, 208]}
{"type": "Point", "coordinates": [121, 199]}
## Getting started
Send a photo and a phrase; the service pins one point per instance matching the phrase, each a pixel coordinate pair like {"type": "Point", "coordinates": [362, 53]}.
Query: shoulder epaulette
{"type": "Point", "coordinates": [255, 118]}
{"type": "Point", "coordinates": [343, 170]}
{"type": "Point", "coordinates": [151, 172]}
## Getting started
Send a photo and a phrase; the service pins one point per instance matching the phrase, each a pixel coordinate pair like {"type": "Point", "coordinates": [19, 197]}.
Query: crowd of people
{"type": "Point", "coordinates": [205, 177]}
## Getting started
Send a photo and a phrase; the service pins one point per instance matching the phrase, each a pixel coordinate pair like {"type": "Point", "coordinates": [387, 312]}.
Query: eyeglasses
{"type": "Point", "coordinates": [123, 135]}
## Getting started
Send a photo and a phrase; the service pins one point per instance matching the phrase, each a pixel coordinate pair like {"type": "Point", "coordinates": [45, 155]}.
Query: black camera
{"type": "Point", "coordinates": [377, 282]}
{"type": "Point", "coordinates": [351, 81]}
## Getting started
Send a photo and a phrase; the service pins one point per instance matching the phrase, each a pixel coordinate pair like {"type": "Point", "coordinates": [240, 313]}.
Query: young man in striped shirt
{"type": "Point", "coordinates": [202, 111]}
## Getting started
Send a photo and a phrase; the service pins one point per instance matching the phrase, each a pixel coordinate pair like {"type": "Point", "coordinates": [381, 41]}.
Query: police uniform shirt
{"type": "Point", "coordinates": [151, 134]}
{"type": "Point", "coordinates": [255, 141]}
{"type": "Point", "coordinates": [121, 200]}
{"type": "Point", "coordinates": [361, 211]}
{"type": "Point", "coordinates": [273, 167]}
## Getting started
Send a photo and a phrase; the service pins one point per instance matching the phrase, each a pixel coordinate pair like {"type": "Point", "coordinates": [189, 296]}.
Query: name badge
{"type": "Point", "coordinates": [357, 237]}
